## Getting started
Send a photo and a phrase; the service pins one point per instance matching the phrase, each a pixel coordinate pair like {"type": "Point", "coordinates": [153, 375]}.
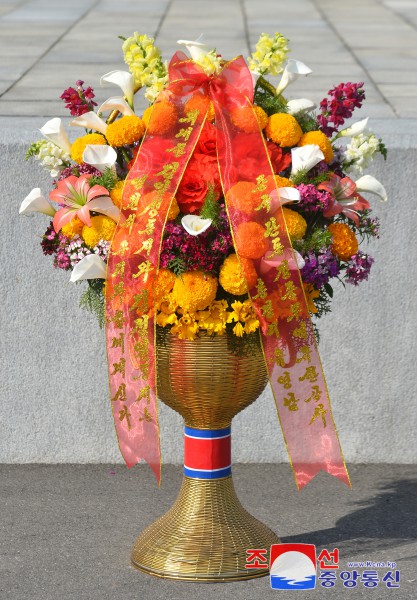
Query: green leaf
{"type": "Point", "coordinates": [329, 289]}
{"type": "Point", "coordinates": [92, 299]}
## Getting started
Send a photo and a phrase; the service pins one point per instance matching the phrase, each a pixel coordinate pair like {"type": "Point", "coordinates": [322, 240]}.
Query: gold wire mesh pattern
{"type": "Point", "coordinates": [204, 381]}
{"type": "Point", "coordinates": [205, 535]}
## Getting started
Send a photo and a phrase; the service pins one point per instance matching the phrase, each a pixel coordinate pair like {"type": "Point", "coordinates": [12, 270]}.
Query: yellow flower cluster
{"type": "Point", "coordinates": [345, 244]}
{"type": "Point", "coordinates": [187, 303]}
{"type": "Point", "coordinates": [236, 277]}
{"type": "Point", "coordinates": [102, 228]}
{"type": "Point", "coordinates": [78, 147]}
{"type": "Point", "coordinates": [284, 130]}
{"type": "Point", "coordinates": [209, 62]}
{"type": "Point", "coordinates": [74, 227]}
{"type": "Point", "coordinates": [125, 131]}
{"type": "Point", "coordinates": [270, 54]}
{"type": "Point", "coordinates": [296, 224]}
{"type": "Point", "coordinates": [145, 64]}
{"type": "Point", "coordinates": [117, 192]}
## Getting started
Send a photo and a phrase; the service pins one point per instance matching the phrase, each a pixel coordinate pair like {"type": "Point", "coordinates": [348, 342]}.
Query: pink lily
{"type": "Point", "coordinates": [79, 198]}
{"type": "Point", "coordinates": [345, 198]}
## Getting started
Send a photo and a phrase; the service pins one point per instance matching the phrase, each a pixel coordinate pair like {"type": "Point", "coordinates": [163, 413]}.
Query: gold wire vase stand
{"type": "Point", "coordinates": [207, 532]}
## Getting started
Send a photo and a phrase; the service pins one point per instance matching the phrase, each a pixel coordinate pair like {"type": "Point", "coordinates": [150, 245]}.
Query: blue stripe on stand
{"type": "Point", "coordinates": [210, 434]}
{"type": "Point", "coordinates": [216, 474]}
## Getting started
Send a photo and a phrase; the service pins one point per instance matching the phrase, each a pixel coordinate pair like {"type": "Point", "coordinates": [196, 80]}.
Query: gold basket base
{"type": "Point", "coordinates": [203, 537]}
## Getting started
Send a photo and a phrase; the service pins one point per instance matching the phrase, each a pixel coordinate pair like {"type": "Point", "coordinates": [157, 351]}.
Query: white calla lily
{"type": "Point", "coordinates": [35, 201]}
{"type": "Point", "coordinates": [100, 157]}
{"type": "Point", "coordinates": [305, 158]}
{"type": "Point", "coordinates": [124, 80]}
{"type": "Point", "coordinates": [289, 194]}
{"type": "Point", "coordinates": [90, 120]}
{"type": "Point", "coordinates": [196, 48]}
{"type": "Point", "coordinates": [194, 225]}
{"type": "Point", "coordinates": [300, 105]}
{"type": "Point", "coordinates": [54, 131]}
{"type": "Point", "coordinates": [116, 103]}
{"type": "Point", "coordinates": [293, 70]}
{"type": "Point", "coordinates": [355, 129]}
{"type": "Point", "coordinates": [370, 184]}
{"type": "Point", "coordinates": [90, 267]}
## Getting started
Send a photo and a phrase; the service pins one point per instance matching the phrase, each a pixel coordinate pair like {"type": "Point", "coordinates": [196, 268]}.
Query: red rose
{"type": "Point", "coordinates": [280, 160]}
{"type": "Point", "coordinates": [201, 172]}
{"type": "Point", "coordinates": [207, 141]}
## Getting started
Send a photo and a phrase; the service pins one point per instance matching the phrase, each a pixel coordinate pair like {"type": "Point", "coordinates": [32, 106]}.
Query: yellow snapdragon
{"type": "Point", "coordinates": [144, 61]}
{"type": "Point", "coordinates": [270, 54]}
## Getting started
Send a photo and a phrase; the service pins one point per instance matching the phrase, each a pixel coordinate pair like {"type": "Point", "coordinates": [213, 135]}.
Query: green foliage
{"type": "Point", "coordinates": [92, 299]}
{"type": "Point", "coordinates": [266, 98]}
{"type": "Point", "coordinates": [34, 148]}
{"type": "Point", "coordinates": [318, 239]}
{"type": "Point", "coordinates": [177, 266]}
{"type": "Point", "coordinates": [122, 37]}
{"type": "Point", "coordinates": [323, 302]}
{"type": "Point", "coordinates": [211, 208]}
{"type": "Point", "coordinates": [303, 177]}
{"type": "Point", "coordinates": [307, 122]}
{"type": "Point", "coordinates": [382, 149]}
{"type": "Point", "coordinates": [107, 179]}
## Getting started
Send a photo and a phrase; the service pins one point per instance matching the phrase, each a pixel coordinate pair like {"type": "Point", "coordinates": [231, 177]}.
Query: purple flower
{"type": "Point", "coordinates": [80, 100]}
{"type": "Point", "coordinates": [50, 240]}
{"type": "Point", "coordinates": [319, 267]}
{"type": "Point", "coordinates": [313, 200]}
{"type": "Point", "coordinates": [344, 98]}
{"type": "Point", "coordinates": [77, 170]}
{"type": "Point", "coordinates": [358, 268]}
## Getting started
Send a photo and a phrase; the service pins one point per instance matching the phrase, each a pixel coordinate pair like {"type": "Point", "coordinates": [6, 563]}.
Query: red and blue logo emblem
{"type": "Point", "coordinates": [293, 567]}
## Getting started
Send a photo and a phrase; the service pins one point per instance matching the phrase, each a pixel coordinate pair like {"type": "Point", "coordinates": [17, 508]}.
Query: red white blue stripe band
{"type": "Point", "coordinates": [207, 453]}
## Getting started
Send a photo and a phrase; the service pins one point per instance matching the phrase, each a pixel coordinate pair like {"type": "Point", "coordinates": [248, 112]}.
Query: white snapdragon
{"type": "Point", "coordinates": [270, 54]}
{"type": "Point", "coordinates": [52, 157]}
{"type": "Point", "coordinates": [360, 152]}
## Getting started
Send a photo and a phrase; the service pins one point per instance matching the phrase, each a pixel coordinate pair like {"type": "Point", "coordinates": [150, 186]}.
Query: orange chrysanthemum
{"type": "Point", "coordinates": [116, 193]}
{"type": "Point", "coordinates": [201, 103]}
{"type": "Point", "coordinates": [243, 118]}
{"type": "Point", "coordinates": [319, 139]}
{"type": "Point", "coordinates": [164, 117]}
{"type": "Point", "coordinates": [284, 130]}
{"type": "Point", "coordinates": [236, 277]}
{"type": "Point", "coordinates": [345, 244]}
{"type": "Point", "coordinates": [194, 290]}
{"type": "Point", "coordinates": [174, 210]}
{"type": "Point", "coordinates": [250, 240]}
{"type": "Point", "coordinates": [78, 147]}
{"type": "Point", "coordinates": [296, 224]}
{"type": "Point", "coordinates": [125, 131]}
{"type": "Point", "coordinates": [243, 196]}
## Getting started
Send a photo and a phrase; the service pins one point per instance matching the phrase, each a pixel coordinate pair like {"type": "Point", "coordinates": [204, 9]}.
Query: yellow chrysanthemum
{"type": "Point", "coordinates": [311, 293]}
{"type": "Point", "coordinates": [296, 224]}
{"type": "Point", "coordinates": [243, 118]}
{"type": "Point", "coordinates": [194, 290]}
{"type": "Point", "coordinates": [319, 139]}
{"type": "Point", "coordinates": [345, 244]}
{"type": "Point", "coordinates": [74, 227]}
{"type": "Point", "coordinates": [163, 284]}
{"type": "Point", "coordinates": [186, 328]}
{"type": "Point", "coordinates": [215, 318]}
{"type": "Point", "coordinates": [231, 277]}
{"type": "Point", "coordinates": [174, 210]}
{"type": "Point", "coordinates": [125, 131]}
{"type": "Point", "coordinates": [283, 181]}
{"type": "Point", "coordinates": [164, 117]}
{"type": "Point", "coordinates": [78, 147]}
{"type": "Point", "coordinates": [102, 228]}
{"type": "Point", "coordinates": [284, 130]}
{"type": "Point", "coordinates": [243, 312]}
{"type": "Point", "coordinates": [116, 193]}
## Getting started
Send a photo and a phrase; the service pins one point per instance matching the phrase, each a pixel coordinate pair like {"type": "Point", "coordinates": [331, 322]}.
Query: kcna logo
{"type": "Point", "coordinates": [293, 566]}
